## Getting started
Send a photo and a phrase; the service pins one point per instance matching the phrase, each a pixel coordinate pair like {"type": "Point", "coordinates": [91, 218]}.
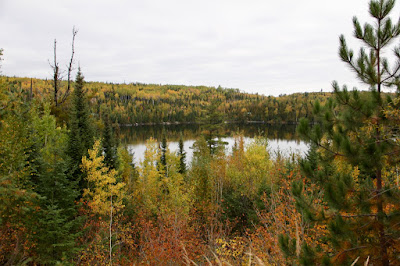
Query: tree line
{"type": "Point", "coordinates": [138, 103]}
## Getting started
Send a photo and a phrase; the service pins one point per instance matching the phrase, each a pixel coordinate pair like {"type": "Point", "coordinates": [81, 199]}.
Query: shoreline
{"type": "Point", "coordinates": [198, 123]}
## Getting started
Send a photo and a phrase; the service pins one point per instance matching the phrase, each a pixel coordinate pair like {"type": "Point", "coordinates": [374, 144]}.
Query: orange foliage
{"type": "Point", "coordinates": [280, 217]}
{"type": "Point", "coordinates": [169, 240]}
{"type": "Point", "coordinates": [15, 246]}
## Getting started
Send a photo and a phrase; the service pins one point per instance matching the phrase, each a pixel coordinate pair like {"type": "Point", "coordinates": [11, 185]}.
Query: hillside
{"type": "Point", "coordinates": [137, 103]}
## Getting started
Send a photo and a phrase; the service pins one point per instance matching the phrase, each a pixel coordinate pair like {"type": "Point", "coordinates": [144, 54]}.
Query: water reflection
{"type": "Point", "coordinates": [281, 138]}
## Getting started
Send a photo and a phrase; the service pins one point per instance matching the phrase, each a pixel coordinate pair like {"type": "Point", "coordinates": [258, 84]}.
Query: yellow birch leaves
{"type": "Point", "coordinates": [102, 183]}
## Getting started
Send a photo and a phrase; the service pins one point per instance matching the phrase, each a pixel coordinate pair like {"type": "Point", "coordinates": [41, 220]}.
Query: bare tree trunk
{"type": "Point", "coordinates": [31, 91]}
{"type": "Point", "coordinates": [110, 228]}
{"type": "Point", "coordinates": [56, 75]}
{"type": "Point", "coordinates": [380, 204]}
{"type": "Point", "coordinates": [381, 226]}
{"type": "Point", "coordinates": [70, 66]}
{"type": "Point", "coordinates": [57, 97]}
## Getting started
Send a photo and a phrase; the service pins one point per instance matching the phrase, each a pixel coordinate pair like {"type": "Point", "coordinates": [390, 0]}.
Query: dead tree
{"type": "Point", "coordinates": [1, 59]}
{"type": "Point", "coordinates": [71, 63]}
{"type": "Point", "coordinates": [56, 75]}
{"type": "Point", "coordinates": [58, 97]}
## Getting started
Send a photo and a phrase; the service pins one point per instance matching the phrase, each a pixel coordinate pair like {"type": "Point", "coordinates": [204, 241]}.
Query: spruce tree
{"type": "Point", "coordinates": [182, 156]}
{"type": "Point", "coordinates": [56, 227]}
{"type": "Point", "coordinates": [355, 154]}
{"type": "Point", "coordinates": [81, 134]}
{"type": "Point", "coordinates": [17, 198]}
{"type": "Point", "coordinates": [164, 147]}
{"type": "Point", "coordinates": [55, 223]}
{"type": "Point", "coordinates": [213, 124]}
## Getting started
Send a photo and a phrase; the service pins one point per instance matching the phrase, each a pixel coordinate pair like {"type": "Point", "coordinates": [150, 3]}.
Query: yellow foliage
{"type": "Point", "coordinates": [179, 199]}
{"type": "Point", "coordinates": [126, 172]}
{"type": "Point", "coordinates": [232, 250]}
{"type": "Point", "coordinates": [249, 169]}
{"type": "Point", "coordinates": [344, 167]}
{"type": "Point", "coordinates": [104, 189]}
{"type": "Point", "coordinates": [162, 190]}
{"type": "Point", "coordinates": [148, 184]}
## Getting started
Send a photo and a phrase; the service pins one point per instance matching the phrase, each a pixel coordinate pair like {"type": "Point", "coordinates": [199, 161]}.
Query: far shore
{"type": "Point", "coordinates": [199, 123]}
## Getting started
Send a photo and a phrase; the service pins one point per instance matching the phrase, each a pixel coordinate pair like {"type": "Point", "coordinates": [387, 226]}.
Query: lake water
{"type": "Point", "coordinates": [281, 138]}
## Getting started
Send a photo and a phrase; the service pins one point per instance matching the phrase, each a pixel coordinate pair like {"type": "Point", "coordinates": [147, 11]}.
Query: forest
{"type": "Point", "coordinates": [136, 103]}
{"type": "Point", "coordinates": [70, 194]}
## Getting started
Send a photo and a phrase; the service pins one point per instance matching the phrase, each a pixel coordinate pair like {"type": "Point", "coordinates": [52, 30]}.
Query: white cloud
{"type": "Point", "coordinates": [269, 47]}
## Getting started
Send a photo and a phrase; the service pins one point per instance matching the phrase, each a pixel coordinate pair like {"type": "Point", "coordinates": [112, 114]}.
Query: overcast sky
{"type": "Point", "coordinates": [269, 47]}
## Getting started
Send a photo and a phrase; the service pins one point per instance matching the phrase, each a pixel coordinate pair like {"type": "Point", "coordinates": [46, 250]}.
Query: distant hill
{"type": "Point", "coordinates": [138, 103]}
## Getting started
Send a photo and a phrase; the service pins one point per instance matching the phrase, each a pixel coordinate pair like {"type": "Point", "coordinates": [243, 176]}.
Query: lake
{"type": "Point", "coordinates": [281, 138]}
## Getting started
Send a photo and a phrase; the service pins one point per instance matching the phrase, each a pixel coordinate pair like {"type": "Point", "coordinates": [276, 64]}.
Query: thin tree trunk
{"type": "Point", "coordinates": [110, 228]}
{"type": "Point", "coordinates": [31, 91]}
{"type": "Point", "coordinates": [380, 204]}
{"type": "Point", "coordinates": [381, 216]}
{"type": "Point", "coordinates": [55, 76]}
{"type": "Point", "coordinates": [70, 66]}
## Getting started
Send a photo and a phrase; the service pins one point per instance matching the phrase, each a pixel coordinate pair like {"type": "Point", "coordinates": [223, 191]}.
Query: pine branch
{"type": "Point", "coordinates": [344, 102]}
{"type": "Point", "coordinates": [347, 250]}
{"type": "Point", "coordinates": [359, 215]}
{"type": "Point", "coordinates": [347, 56]}
{"type": "Point", "coordinates": [379, 193]}
{"type": "Point", "coordinates": [391, 153]}
{"type": "Point", "coordinates": [325, 148]}
{"type": "Point", "coordinates": [392, 75]}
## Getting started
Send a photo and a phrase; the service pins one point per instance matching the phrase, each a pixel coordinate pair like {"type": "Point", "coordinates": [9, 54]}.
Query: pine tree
{"type": "Point", "coordinates": [81, 135]}
{"type": "Point", "coordinates": [356, 154]}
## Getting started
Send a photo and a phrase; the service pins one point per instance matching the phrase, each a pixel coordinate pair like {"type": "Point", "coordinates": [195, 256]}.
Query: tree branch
{"type": "Point", "coordinates": [70, 66]}
{"type": "Point", "coordinates": [347, 250]}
